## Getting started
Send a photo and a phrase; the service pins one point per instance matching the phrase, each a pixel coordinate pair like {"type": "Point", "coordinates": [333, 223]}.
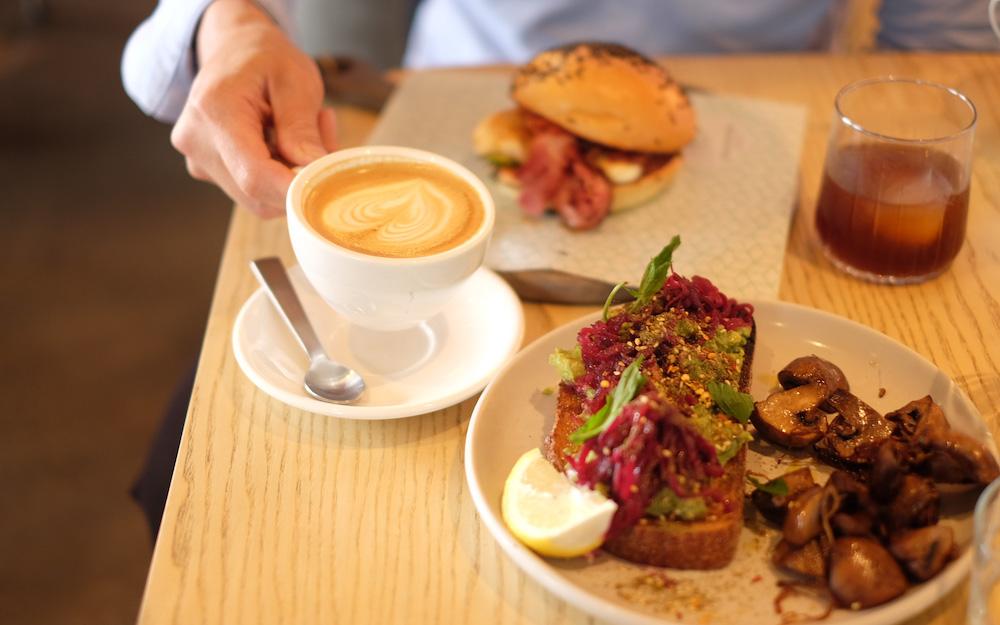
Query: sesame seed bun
{"type": "Point", "coordinates": [608, 94]}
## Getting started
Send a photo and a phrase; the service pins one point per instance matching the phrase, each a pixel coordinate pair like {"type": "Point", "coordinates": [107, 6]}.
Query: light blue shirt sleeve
{"type": "Point", "coordinates": [159, 64]}
{"type": "Point", "coordinates": [936, 25]}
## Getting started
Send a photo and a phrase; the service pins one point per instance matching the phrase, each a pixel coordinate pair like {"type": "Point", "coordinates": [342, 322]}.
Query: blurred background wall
{"type": "Point", "coordinates": [108, 253]}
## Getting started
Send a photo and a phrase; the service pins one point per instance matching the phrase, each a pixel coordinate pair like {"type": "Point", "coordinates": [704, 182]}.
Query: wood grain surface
{"type": "Point", "coordinates": [281, 516]}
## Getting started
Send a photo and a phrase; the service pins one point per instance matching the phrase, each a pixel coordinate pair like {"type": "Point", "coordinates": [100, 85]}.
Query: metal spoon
{"type": "Point", "coordinates": [327, 379]}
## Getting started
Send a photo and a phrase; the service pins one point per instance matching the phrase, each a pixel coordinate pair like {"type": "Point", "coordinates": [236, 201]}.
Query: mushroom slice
{"type": "Point", "coordinates": [888, 470]}
{"type": "Point", "coordinates": [807, 560]}
{"type": "Point", "coordinates": [855, 434]}
{"type": "Point", "coordinates": [855, 512]}
{"type": "Point", "coordinates": [954, 457]}
{"type": "Point", "coordinates": [774, 507]}
{"type": "Point", "coordinates": [917, 418]}
{"type": "Point", "coordinates": [813, 370]}
{"type": "Point", "coordinates": [792, 418]}
{"type": "Point", "coordinates": [923, 552]}
{"type": "Point", "coordinates": [863, 574]}
{"type": "Point", "coordinates": [946, 454]}
{"type": "Point", "coordinates": [917, 504]}
{"type": "Point", "coordinates": [807, 512]}
{"type": "Point", "coordinates": [854, 492]}
{"type": "Point", "coordinates": [856, 524]}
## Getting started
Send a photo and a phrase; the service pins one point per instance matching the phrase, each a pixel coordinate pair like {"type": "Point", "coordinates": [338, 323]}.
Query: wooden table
{"type": "Point", "coordinates": [281, 516]}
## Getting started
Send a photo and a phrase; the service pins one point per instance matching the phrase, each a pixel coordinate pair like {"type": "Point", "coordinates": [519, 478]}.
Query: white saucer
{"type": "Point", "coordinates": [447, 359]}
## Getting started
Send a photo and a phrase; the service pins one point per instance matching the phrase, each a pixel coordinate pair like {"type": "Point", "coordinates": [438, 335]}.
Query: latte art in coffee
{"type": "Point", "coordinates": [395, 209]}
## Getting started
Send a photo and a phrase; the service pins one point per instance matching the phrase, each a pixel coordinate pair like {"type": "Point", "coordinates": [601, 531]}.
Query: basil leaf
{"type": "Point", "coordinates": [777, 487]}
{"type": "Point", "coordinates": [629, 383]}
{"type": "Point", "coordinates": [592, 427]}
{"type": "Point", "coordinates": [655, 274]}
{"type": "Point", "coordinates": [732, 402]}
{"type": "Point", "coordinates": [610, 300]}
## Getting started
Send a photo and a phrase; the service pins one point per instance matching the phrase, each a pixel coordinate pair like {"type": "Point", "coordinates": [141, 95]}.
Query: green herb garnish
{"type": "Point", "coordinates": [655, 274]}
{"type": "Point", "coordinates": [777, 487]}
{"type": "Point", "coordinates": [611, 299]}
{"type": "Point", "coordinates": [631, 380]}
{"type": "Point", "coordinates": [732, 402]}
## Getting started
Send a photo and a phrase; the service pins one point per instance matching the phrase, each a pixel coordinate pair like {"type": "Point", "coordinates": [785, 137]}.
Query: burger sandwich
{"type": "Point", "coordinates": [598, 128]}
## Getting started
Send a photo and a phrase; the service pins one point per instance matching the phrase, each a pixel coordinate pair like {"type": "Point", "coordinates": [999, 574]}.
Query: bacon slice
{"type": "Point", "coordinates": [584, 199]}
{"type": "Point", "coordinates": [556, 175]}
{"type": "Point", "coordinates": [544, 172]}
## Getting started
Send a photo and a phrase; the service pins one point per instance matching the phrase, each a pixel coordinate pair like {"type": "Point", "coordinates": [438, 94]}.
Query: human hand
{"type": "Point", "coordinates": [255, 108]}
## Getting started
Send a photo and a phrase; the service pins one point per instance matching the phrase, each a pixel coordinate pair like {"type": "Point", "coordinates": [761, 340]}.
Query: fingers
{"type": "Point", "coordinates": [296, 105]}
{"type": "Point", "coordinates": [258, 177]}
{"type": "Point", "coordinates": [250, 114]}
{"type": "Point", "coordinates": [233, 155]}
{"type": "Point", "coordinates": [328, 128]}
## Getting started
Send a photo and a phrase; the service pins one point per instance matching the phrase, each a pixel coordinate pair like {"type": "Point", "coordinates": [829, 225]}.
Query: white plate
{"type": "Point", "coordinates": [514, 414]}
{"type": "Point", "coordinates": [449, 358]}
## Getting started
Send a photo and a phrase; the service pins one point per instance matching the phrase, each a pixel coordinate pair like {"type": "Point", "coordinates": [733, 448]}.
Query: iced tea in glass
{"type": "Point", "coordinates": [895, 194]}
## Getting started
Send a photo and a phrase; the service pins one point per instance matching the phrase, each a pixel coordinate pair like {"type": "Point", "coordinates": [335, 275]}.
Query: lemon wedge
{"type": "Point", "coordinates": [549, 513]}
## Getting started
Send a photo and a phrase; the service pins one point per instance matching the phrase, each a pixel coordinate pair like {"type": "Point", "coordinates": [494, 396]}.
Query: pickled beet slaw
{"type": "Point", "coordinates": [650, 444]}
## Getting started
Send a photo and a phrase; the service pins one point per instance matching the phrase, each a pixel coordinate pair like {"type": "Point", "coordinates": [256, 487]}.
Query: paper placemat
{"type": "Point", "coordinates": [731, 202]}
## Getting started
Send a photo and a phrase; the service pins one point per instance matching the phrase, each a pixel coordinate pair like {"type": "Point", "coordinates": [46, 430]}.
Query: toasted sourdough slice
{"type": "Point", "coordinates": [704, 544]}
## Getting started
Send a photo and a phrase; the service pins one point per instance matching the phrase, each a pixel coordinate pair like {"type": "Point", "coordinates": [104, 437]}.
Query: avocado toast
{"type": "Point", "coordinates": [652, 412]}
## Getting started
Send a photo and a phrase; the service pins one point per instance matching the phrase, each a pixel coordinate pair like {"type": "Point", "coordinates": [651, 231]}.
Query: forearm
{"type": "Point", "coordinates": [159, 62]}
{"type": "Point", "coordinates": [222, 20]}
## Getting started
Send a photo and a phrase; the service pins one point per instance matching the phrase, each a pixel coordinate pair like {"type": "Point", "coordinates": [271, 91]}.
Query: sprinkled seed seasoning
{"type": "Point", "coordinates": [668, 444]}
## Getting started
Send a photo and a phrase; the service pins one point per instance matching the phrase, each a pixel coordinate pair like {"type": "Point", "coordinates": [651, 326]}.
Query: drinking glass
{"type": "Point", "coordinates": [984, 590]}
{"type": "Point", "coordinates": [895, 194]}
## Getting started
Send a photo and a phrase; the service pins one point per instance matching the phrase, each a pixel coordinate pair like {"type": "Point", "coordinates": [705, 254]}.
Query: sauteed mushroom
{"type": "Point", "coordinates": [855, 434]}
{"type": "Point", "coordinates": [917, 504]}
{"type": "Point", "coordinates": [774, 507]}
{"type": "Point", "coordinates": [854, 492]}
{"type": "Point", "coordinates": [923, 552]}
{"type": "Point", "coordinates": [813, 370]}
{"type": "Point", "coordinates": [859, 523]}
{"type": "Point", "coordinates": [954, 457]}
{"type": "Point", "coordinates": [855, 511]}
{"type": "Point", "coordinates": [877, 515]}
{"type": "Point", "coordinates": [792, 418]}
{"type": "Point", "coordinates": [921, 415]}
{"type": "Point", "coordinates": [863, 574]}
{"type": "Point", "coordinates": [945, 454]}
{"type": "Point", "coordinates": [806, 560]}
{"type": "Point", "coordinates": [804, 520]}
{"type": "Point", "coordinates": [888, 470]}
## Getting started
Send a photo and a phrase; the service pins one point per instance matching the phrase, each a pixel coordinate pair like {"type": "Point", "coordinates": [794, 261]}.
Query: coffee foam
{"type": "Point", "coordinates": [394, 209]}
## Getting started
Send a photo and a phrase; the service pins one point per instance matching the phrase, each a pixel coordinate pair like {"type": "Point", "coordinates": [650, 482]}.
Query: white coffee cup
{"type": "Point", "coordinates": [378, 292]}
